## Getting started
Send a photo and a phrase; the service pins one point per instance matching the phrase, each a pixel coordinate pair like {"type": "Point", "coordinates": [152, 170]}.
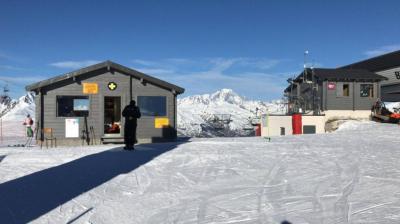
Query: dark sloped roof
{"type": "Point", "coordinates": [333, 74]}
{"type": "Point", "coordinates": [346, 74]}
{"type": "Point", "coordinates": [109, 65]}
{"type": "Point", "coordinates": [379, 63]}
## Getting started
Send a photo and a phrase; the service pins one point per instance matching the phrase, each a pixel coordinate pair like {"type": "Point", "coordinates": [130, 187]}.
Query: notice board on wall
{"type": "Point", "coordinates": [161, 122]}
{"type": "Point", "coordinates": [90, 88]}
{"type": "Point", "coordinates": [72, 127]}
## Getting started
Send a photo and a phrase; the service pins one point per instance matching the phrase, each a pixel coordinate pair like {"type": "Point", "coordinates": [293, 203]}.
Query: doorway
{"type": "Point", "coordinates": [112, 116]}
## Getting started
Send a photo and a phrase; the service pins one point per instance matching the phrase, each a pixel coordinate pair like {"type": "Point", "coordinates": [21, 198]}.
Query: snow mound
{"type": "Point", "coordinates": [202, 115]}
{"type": "Point", "coordinates": [353, 125]}
{"type": "Point", "coordinates": [392, 106]}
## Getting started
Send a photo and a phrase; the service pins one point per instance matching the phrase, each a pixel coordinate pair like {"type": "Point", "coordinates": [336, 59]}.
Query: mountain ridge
{"type": "Point", "coordinates": [222, 113]}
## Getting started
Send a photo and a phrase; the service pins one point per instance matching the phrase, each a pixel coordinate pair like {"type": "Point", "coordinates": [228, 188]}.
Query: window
{"type": "Point", "coordinates": [72, 106]}
{"type": "Point", "coordinates": [342, 90]}
{"type": "Point", "coordinates": [346, 90]}
{"type": "Point", "coordinates": [153, 105]}
{"type": "Point", "coordinates": [367, 90]}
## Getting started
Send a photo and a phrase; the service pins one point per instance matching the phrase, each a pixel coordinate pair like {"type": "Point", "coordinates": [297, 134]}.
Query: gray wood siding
{"type": "Point", "coordinates": [37, 109]}
{"type": "Point", "coordinates": [390, 74]}
{"type": "Point", "coordinates": [334, 102]}
{"type": "Point", "coordinates": [323, 95]}
{"type": "Point", "coordinates": [146, 127]}
{"type": "Point", "coordinates": [365, 103]}
{"type": "Point", "coordinates": [352, 102]}
{"type": "Point", "coordinates": [391, 93]}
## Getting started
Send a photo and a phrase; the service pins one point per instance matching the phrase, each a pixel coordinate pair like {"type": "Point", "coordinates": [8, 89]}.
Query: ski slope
{"type": "Point", "coordinates": [349, 176]}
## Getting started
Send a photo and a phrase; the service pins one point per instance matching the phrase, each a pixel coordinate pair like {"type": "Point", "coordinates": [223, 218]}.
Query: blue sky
{"type": "Point", "coordinates": [249, 46]}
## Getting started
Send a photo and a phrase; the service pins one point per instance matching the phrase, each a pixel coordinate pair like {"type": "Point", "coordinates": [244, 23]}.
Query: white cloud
{"type": "Point", "coordinates": [246, 75]}
{"type": "Point", "coordinates": [9, 57]}
{"type": "Point", "coordinates": [21, 79]}
{"type": "Point", "coordinates": [74, 64]}
{"type": "Point", "coordinates": [10, 67]}
{"type": "Point", "coordinates": [260, 63]}
{"type": "Point", "coordinates": [145, 62]}
{"type": "Point", "coordinates": [4, 56]}
{"type": "Point", "coordinates": [382, 50]}
{"type": "Point", "coordinates": [256, 85]}
{"type": "Point", "coordinates": [156, 71]}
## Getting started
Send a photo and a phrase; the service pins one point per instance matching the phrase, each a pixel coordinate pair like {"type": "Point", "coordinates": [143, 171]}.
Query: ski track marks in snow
{"type": "Point", "coordinates": [351, 176]}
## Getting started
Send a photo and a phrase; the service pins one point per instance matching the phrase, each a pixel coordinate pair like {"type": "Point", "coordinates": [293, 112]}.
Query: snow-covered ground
{"type": "Point", "coordinates": [350, 176]}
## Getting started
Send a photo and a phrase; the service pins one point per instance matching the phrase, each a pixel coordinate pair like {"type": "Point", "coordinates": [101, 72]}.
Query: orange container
{"type": "Point", "coordinates": [296, 124]}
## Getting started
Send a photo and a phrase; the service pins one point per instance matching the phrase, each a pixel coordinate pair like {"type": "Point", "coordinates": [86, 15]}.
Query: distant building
{"type": "Point", "coordinates": [387, 65]}
{"type": "Point", "coordinates": [334, 92]}
{"type": "Point", "coordinates": [85, 106]}
{"type": "Point", "coordinates": [324, 95]}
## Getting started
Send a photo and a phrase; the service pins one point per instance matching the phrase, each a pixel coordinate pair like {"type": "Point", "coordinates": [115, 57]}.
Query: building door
{"type": "Point", "coordinates": [112, 116]}
{"type": "Point", "coordinates": [282, 130]}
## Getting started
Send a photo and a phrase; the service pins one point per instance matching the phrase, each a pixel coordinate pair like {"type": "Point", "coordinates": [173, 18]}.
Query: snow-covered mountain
{"type": "Point", "coordinates": [13, 112]}
{"type": "Point", "coordinates": [223, 113]}
{"type": "Point", "coordinates": [16, 110]}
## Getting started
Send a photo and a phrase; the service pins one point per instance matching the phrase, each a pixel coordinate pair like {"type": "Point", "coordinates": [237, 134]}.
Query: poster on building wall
{"type": "Point", "coordinates": [72, 127]}
{"type": "Point", "coordinates": [161, 122]}
{"type": "Point", "coordinates": [331, 86]}
{"type": "Point", "coordinates": [90, 88]}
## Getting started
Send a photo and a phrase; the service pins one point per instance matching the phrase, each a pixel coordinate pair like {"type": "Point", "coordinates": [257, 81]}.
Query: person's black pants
{"type": "Point", "coordinates": [130, 135]}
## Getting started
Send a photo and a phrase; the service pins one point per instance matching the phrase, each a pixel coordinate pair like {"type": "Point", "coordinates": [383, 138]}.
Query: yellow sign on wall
{"type": "Point", "coordinates": [161, 122]}
{"type": "Point", "coordinates": [90, 88]}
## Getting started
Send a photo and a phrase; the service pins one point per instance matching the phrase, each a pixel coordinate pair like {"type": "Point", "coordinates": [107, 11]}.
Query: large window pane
{"type": "Point", "coordinates": [72, 106]}
{"type": "Point", "coordinates": [367, 90]}
{"type": "Point", "coordinates": [153, 105]}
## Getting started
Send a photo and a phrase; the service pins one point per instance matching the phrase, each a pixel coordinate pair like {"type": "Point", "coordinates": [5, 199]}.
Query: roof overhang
{"type": "Point", "coordinates": [109, 65]}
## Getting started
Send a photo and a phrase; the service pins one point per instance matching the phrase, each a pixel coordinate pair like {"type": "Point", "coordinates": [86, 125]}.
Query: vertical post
{"type": "Point", "coordinates": [175, 118]}
{"type": "Point", "coordinates": [354, 95]}
{"type": "Point", "coordinates": [305, 66]}
{"type": "Point", "coordinates": [1, 130]}
{"type": "Point", "coordinates": [41, 115]}
{"type": "Point", "coordinates": [130, 88]}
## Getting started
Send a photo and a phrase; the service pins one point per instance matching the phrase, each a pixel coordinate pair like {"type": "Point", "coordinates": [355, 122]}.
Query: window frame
{"type": "Point", "coordinates": [82, 113]}
{"type": "Point", "coordinates": [348, 90]}
{"type": "Point", "coordinates": [340, 89]}
{"type": "Point", "coordinates": [147, 115]}
{"type": "Point", "coordinates": [370, 93]}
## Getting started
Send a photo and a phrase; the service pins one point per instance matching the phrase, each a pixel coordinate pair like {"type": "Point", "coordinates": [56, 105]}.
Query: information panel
{"type": "Point", "coordinates": [72, 127]}
{"type": "Point", "coordinates": [90, 88]}
{"type": "Point", "coordinates": [161, 122]}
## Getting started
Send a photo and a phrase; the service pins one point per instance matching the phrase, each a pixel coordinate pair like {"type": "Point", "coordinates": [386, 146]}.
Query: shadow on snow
{"type": "Point", "coordinates": [27, 198]}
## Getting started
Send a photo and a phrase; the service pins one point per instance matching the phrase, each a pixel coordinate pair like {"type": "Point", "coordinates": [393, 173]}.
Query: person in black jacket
{"type": "Point", "coordinates": [131, 114]}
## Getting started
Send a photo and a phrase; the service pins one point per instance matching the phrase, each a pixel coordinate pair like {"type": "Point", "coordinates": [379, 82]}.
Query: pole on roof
{"type": "Point", "coordinates": [305, 66]}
